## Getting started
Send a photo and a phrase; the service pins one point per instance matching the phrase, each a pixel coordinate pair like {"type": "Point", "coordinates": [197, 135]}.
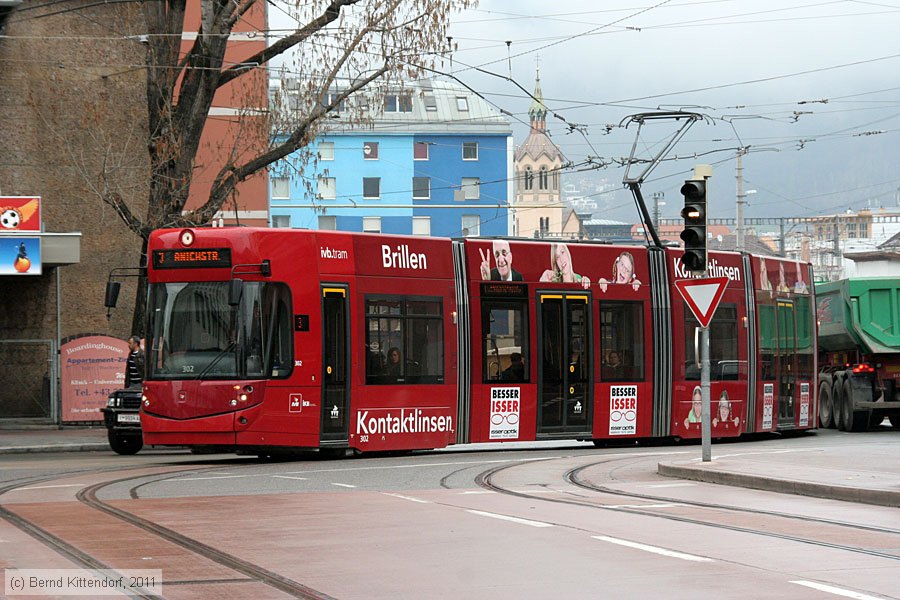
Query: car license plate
{"type": "Point", "coordinates": [129, 418]}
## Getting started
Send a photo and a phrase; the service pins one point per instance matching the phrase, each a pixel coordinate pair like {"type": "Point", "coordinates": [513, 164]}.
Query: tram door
{"type": "Point", "coordinates": [564, 354]}
{"type": "Point", "coordinates": [335, 364]}
{"type": "Point", "coordinates": [786, 360]}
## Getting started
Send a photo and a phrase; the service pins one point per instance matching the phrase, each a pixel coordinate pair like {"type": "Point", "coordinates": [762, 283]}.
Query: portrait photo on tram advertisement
{"type": "Point", "coordinates": [623, 273]}
{"type": "Point", "coordinates": [502, 256]}
{"type": "Point", "coordinates": [562, 269]}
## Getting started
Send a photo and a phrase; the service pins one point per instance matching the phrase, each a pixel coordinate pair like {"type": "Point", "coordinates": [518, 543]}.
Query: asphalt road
{"type": "Point", "coordinates": [567, 521]}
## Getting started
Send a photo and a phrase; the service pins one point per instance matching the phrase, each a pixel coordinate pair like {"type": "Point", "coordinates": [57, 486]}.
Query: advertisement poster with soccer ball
{"type": "Point", "coordinates": [20, 214]}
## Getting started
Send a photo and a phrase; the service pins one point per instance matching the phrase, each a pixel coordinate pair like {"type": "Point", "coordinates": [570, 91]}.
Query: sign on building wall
{"type": "Point", "coordinates": [20, 255]}
{"type": "Point", "coordinates": [91, 367]}
{"type": "Point", "coordinates": [20, 213]}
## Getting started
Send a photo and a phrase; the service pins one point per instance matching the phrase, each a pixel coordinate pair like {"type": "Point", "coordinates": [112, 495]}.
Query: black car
{"type": "Point", "coordinates": [123, 421]}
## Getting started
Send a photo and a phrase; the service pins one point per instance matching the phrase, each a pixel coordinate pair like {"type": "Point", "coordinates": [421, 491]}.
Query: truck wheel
{"type": "Point", "coordinates": [854, 420]}
{"type": "Point", "coordinates": [837, 406]}
{"type": "Point", "coordinates": [125, 444]}
{"type": "Point", "coordinates": [825, 406]}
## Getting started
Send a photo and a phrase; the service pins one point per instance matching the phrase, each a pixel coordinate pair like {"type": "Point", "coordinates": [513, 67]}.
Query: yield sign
{"type": "Point", "coordinates": [702, 295]}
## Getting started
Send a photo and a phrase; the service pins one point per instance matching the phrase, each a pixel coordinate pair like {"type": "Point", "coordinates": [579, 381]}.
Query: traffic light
{"type": "Point", "coordinates": [694, 234]}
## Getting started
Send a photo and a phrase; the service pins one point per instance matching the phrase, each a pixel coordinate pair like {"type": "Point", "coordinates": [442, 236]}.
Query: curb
{"type": "Point", "coordinates": [782, 486]}
{"type": "Point", "coordinates": [55, 448]}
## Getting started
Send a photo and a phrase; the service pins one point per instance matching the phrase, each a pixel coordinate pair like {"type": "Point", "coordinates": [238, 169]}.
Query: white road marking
{"type": "Point", "coordinates": [208, 478]}
{"type": "Point", "coordinates": [653, 549]}
{"type": "Point", "coordinates": [513, 519]}
{"type": "Point", "coordinates": [836, 591]}
{"type": "Point", "coordinates": [667, 505]}
{"type": "Point", "coordinates": [419, 466]}
{"type": "Point", "coordinates": [410, 498]}
{"type": "Point", "coordinates": [346, 485]}
{"type": "Point", "coordinates": [289, 477]}
{"type": "Point", "coordinates": [47, 487]}
{"type": "Point", "coordinates": [478, 492]}
{"type": "Point", "coordinates": [668, 485]}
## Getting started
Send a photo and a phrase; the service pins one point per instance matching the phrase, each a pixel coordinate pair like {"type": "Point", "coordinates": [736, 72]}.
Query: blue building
{"type": "Point", "coordinates": [436, 160]}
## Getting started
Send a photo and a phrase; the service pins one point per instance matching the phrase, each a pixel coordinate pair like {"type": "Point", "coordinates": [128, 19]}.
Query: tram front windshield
{"type": "Point", "coordinates": [196, 334]}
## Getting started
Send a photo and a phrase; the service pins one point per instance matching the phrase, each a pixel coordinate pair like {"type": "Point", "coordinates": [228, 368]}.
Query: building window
{"type": "Point", "coordinates": [430, 103]}
{"type": "Point", "coordinates": [371, 187]}
{"type": "Point", "coordinates": [327, 222]}
{"type": "Point", "coordinates": [330, 98]}
{"type": "Point", "coordinates": [554, 179]}
{"type": "Point", "coordinates": [326, 150]}
{"type": "Point", "coordinates": [545, 225]}
{"type": "Point", "coordinates": [281, 188]}
{"type": "Point", "coordinates": [421, 225]}
{"type": "Point", "coordinates": [327, 188]}
{"type": "Point", "coordinates": [404, 340]}
{"type": "Point", "coordinates": [420, 151]}
{"type": "Point", "coordinates": [283, 221]}
{"type": "Point", "coordinates": [462, 104]}
{"type": "Point", "coordinates": [542, 179]}
{"type": "Point", "coordinates": [398, 103]}
{"type": "Point", "coordinates": [421, 188]}
{"type": "Point", "coordinates": [470, 150]}
{"type": "Point", "coordinates": [370, 150]}
{"type": "Point", "coordinates": [471, 187]}
{"type": "Point", "coordinates": [372, 224]}
{"type": "Point", "coordinates": [529, 178]}
{"type": "Point", "coordinates": [471, 225]}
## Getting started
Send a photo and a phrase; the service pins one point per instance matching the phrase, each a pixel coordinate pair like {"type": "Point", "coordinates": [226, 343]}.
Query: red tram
{"type": "Point", "coordinates": [260, 339]}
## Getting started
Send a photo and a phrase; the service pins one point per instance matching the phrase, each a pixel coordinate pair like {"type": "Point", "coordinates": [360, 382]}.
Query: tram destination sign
{"type": "Point", "coordinates": [496, 289]}
{"type": "Point", "coordinates": [201, 258]}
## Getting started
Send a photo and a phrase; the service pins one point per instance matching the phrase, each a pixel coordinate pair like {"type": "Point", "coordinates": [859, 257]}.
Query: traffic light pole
{"type": "Point", "coordinates": [705, 410]}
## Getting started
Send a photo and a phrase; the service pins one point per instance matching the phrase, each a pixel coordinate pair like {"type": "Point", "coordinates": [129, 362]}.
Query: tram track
{"type": "Point", "coordinates": [88, 496]}
{"type": "Point", "coordinates": [487, 480]}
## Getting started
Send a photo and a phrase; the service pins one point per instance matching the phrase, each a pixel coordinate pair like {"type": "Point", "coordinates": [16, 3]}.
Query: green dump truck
{"type": "Point", "coordinates": [859, 352]}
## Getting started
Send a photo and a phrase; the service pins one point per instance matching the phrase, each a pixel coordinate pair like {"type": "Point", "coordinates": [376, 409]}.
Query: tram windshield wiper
{"type": "Point", "coordinates": [224, 352]}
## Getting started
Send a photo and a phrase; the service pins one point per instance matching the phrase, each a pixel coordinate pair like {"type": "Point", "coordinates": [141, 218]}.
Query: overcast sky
{"type": "Point", "coordinates": [813, 88]}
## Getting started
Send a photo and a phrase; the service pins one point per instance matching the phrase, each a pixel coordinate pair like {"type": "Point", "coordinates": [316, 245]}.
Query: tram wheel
{"type": "Point", "coordinates": [825, 407]}
{"type": "Point", "coordinates": [837, 406]}
{"type": "Point", "coordinates": [125, 444]}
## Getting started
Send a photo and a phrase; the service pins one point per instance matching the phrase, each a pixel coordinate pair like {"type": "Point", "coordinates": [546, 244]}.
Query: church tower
{"type": "Point", "coordinates": [538, 207]}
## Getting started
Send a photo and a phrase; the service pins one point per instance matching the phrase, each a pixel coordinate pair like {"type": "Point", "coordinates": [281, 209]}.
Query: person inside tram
{"type": "Point", "coordinates": [724, 414]}
{"type": "Point", "coordinates": [696, 407]}
{"type": "Point", "coordinates": [612, 368]}
{"type": "Point", "coordinates": [394, 367]}
{"type": "Point", "coordinates": [516, 369]}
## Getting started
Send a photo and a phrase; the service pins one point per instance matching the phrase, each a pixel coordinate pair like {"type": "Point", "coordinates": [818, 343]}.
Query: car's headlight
{"type": "Point", "coordinates": [112, 402]}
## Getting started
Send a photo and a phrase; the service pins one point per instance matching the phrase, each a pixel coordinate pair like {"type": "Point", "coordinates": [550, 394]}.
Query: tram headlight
{"type": "Point", "coordinates": [233, 402]}
{"type": "Point", "coordinates": [242, 397]}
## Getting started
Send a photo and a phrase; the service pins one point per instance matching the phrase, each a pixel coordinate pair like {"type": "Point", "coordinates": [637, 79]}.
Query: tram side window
{"type": "Point", "coordinates": [504, 329]}
{"type": "Point", "coordinates": [404, 340]}
{"type": "Point", "coordinates": [768, 342]}
{"type": "Point", "coordinates": [724, 364]}
{"type": "Point", "coordinates": [622, 341]}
